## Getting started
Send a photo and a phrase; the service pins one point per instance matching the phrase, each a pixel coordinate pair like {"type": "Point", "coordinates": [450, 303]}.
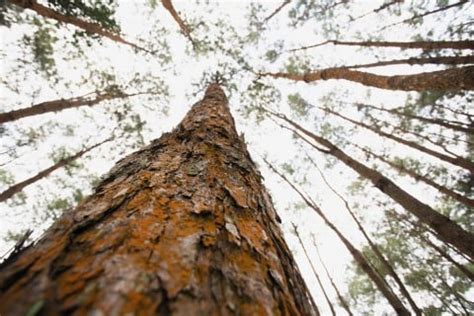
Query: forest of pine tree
{"type": "Point", "coordinates": [285, 157]}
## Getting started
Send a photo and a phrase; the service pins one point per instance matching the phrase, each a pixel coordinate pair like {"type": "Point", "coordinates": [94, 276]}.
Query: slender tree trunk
{"type": "Point", "coordinates": [372, 245]}
{"type": "Point", "coordinates": [356, 254]}
{"type": "Point", "coordinates": [448, 230]}
{"type": "Point", "coordinates": [441, 80]}
{"type": "Point", "coordinates": [16, 188]}
{"type": "Point", "coordinates": [182, 26]}
{"type": "Point", "coordinates": [441, 60]}
{"type": "Point", "coordinates": [275, 12]}
{"type": "Point", "coordinates": [425, 45]}
{"type": "Point", "coordinates": [418, 177]}
{"type": "Point", "coordinates": [415, 232]}
{"type": "Point", "coordinates": [182, 226]}
{"type": "Point", "coordinates": [339, 295]}
{"type": "Point", "coordinates": [89, 27]}
{"type": "Point", "coordinates": [331, 307]}
{"type": "Point", "coordinates": [437, 121]}
{"type": "Point", "coordinates": [382, 7]}
{"type": "Point", "coordinates": [59, 105]}
{"type": "Point", "coordinates": [457, 161]}
{"type": "Point", "coordinates": [417, 16]}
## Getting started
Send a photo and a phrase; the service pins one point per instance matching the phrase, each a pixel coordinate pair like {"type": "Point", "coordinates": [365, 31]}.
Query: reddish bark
{"type": "Point", "coordinates": [182, 225]}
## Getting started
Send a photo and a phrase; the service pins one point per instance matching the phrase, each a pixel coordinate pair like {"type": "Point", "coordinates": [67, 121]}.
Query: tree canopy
{"type": "Point", "coordinates": [359, 115]}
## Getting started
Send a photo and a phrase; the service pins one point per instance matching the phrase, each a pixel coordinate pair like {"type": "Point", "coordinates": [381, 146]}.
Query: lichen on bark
{"type": "Point", "coordinates": [181, 226]}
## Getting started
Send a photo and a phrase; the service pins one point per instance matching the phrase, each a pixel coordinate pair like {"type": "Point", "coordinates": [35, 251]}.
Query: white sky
{"type": "Point", "coordinates": [135, 19]}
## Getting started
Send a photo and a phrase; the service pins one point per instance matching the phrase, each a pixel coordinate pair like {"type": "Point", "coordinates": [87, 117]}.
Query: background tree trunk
{"type": "Point", "coordinates": [181, 225]}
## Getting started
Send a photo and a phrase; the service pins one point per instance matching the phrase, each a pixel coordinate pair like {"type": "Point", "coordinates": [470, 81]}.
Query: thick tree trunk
{"type": "Point", "coordinates": [181, 226]}
{"type": "Point", "coordinates": [466, 44]}
{"type": "Point", "coordinates": [381, 257]}
{"type": "Point", "coordinates": [447, 230]}
{"type": "Point", "coordinates": [441, 80]}
{"type": "Point", "coordinates": [313, 269]}
{"type": "Point", "coordinates": [16, 188]}
{"type": "Point", "coordinates": [441, 60]}
{"type": "Point", "coordinates": [456, 161]}
{"type": "Point", "coordinates": [82, 24]}
{"type": "Point", "coordinates": [359, 258]}
{"type": "Point", "coordinates": [59, 105]}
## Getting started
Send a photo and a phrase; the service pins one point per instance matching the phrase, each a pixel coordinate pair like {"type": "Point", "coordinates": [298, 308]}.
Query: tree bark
{"type": "Point", "coordinates": [456, 161]}
{"type": "Point", "coordinates": [447, 230]}
{"type": "Point", "coordinates": [373, 246]}
{"type": "Point", "coordinates": [425, 45]}
{"type": "Point", "coordinates": [441, 80]}
{"type": "Point", "coordinates": [418, 177]}
{"type": "Point", "coordinates": [59, 105]}
{"type": "Point", "coordinates": [359, 258]}
{"type": "Point", "coordinates": [89, 27]}
{"type": "Point", "coordinates": [183, 225]}
{"type": "Point", "coordinates": [339, 295]}
{"type": "Point", "coordinates": [16, 188]}
{"type": "Point", "coordinates": [326, 297]}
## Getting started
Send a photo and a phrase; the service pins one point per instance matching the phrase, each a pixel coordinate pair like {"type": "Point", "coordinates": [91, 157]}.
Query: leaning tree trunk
{"type": "Point", "coordinates": [181, 225]}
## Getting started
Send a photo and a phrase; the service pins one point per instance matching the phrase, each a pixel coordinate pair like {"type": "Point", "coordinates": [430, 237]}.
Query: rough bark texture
{"type": "Point", "coordinates": [442, 80]}
{"type": "Point", "coordinates": [447, 230]}
{"type": "Point", "coordinates": [86, 26]}
{"type": "Point", "coordinates": [59, 105]}
{"type": "Point", "coordinates": [466, 44]}
{"type": "Point", "coordinates": [182, 226]}
{"type": "Point", "coordinates": [16, 188]}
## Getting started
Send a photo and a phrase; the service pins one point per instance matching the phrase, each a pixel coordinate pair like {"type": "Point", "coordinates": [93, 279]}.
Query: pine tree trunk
{"type": "Point", "coordinates": [89, 27]}
{"type": "Point", "coordinates": [18, 187]}
{"type": "Point", "coordinates": [59, 105]}
{"type": "Point", "coordinates": [447, 230]}
{"type": "Point", "coordinates": [183, 226]}
{"type": "Point", "coordinates": [442, 80]}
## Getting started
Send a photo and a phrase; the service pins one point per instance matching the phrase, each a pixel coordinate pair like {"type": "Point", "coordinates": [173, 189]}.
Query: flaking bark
{"type": "Point", "coordinates": [182, 225]}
